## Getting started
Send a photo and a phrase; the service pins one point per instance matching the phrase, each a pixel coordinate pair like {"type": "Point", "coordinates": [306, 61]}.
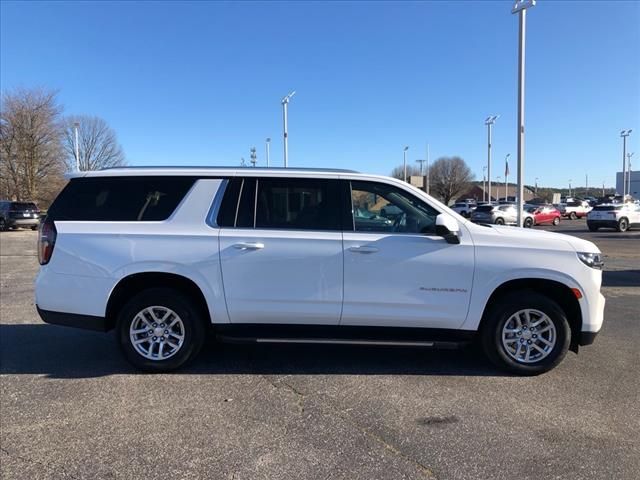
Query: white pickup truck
{"type": "Point", "coordinates": [574, 209]}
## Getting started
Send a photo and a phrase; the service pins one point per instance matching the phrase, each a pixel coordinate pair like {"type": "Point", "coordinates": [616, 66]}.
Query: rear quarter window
{"type": "Point", "coordinates": [120, 198]}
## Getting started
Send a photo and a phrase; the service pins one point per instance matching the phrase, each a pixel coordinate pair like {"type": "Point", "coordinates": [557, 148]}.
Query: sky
{"type": "Point", "coordinates": [200, 83]}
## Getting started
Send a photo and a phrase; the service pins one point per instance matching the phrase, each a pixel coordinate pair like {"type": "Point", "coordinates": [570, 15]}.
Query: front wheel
{"type": "Point", "coordinates": [526, 333]}
{"type": "Point", "coordinates": [573, 216]}
{"type": "Point", "coordinates": [160, 330]}
{"type": "Point", "coordinates": [528, 222]}
{"type": "Point", "coordinates": [499, 221]}
{"type": "Point", "coordinates": [556, 221]}
{"type": "Point", "coordinates": [3, 225]}
{"type": "Point", "coordinates": [623, 225]}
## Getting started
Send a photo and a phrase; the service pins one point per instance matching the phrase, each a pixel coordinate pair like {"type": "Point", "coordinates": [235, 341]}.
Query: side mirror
{"type": "Point", "coordinates": [448, 228]}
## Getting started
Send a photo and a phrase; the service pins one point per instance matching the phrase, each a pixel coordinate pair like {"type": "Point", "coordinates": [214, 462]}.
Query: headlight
{"type": "Point", "coordinates": [593, 260]}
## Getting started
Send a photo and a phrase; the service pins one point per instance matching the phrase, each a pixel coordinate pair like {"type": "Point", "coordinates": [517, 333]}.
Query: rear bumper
{"type": "Point", "coordinates": [86, 322]}
{"type": "Point", "coordinates": [602, 223]}
{"type": "Point", "coordinates": [23, 222]}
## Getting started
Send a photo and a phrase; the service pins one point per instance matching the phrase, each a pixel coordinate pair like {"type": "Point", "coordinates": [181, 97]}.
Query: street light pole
{"type": "Point", "coordinates": [267, 143]}
{"type": "Point", "coordinates": [404, 164]}
{"type": "Point", "coordinates": [624, 134]}
{"type": "Point", "coordinates": [428, 169]}
{"type": "Point", "coordinates": [629, 155]}
{"type": "Point", "coordinates": [77, 146]}
{"type": "Point", "coordinates": [520, 7]}
{"type": "Point", "coordinates": [484, 192]}
{"type": "Point", "coordinates": [506, 174]}
{"type": "Point", "coordinates": [490, 120]}
{"type": "Point", "coordinates": [569, 189]}
{"type": "Point", "coordinates": [285, 106]}
{"type": "Point", "coordinates": [536, 190]}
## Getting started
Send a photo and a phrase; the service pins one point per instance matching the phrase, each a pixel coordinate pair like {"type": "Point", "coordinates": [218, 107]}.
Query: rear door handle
{"type": "Point", "coordinates": [363, 249]}
{"type": "Point", "coordinates": [249, 246]}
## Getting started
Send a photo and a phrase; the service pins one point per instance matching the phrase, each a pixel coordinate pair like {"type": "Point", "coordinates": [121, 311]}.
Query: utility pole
{"type": "Point", "coordinates": [77, 146]}
{"type": "Point", "coordinates": [285, 108]}
{"type": "Point", "coordinates": [624, 134]}
{"type": "Point", "coordinates": [586, 184]}
{"type": "Point", "coordinates": [520, 7]}
{"type": "Point", "coordinates": [603, 188]}
{"type": "Point", "coordinates": [404, 162]}
{"type": "Point", "coordinates": [267, 144]}
{"type": "Point", "coordinates": [536, 190]}
{"type": "Point", "coordinates": [253, 156]}
{"type": "Point", "coordinates": [490, 120]}
{"type": "Point", "coordinates": [569, 189]}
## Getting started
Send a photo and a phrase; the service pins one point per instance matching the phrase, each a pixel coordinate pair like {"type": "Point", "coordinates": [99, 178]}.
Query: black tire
{"type": "Point", "coordinates": [35, 227]}
{"type": "Point", "coordinates": [499, 221]}
{"type": "Point", "coordinates": [194, 329]}
{"type": "Point", "coordinates": [592, 228]}
{"type": "Point", "coordinates": [528, 222]}
{"type": "Point", "coordinates": [572, 216]}
{"type": "Point", "coordinates": [3, 225]}
{"type": "Point", "coordinates": [496, 317]}
{"type": "Point", "coordinates": [623, 225]}
{"type": "Point", "coordinates": [556, 221]}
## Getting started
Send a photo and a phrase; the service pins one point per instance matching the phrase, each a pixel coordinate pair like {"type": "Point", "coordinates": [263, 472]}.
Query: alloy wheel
{"type": "Point", "coordinates": [157, 333]}
{"type": "Point", "coordinates": [529, 336]}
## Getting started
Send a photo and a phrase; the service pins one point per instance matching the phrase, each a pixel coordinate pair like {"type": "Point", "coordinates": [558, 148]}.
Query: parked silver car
{"type": "Point", "coordinates": [500, 215]}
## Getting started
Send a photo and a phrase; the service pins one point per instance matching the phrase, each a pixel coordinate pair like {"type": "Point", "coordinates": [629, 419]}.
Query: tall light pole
{"type": "Point", "coordinates": [569, 190]}
{"type": "Point", "coordinates": [603, 188]}
{"type": "Point", "coordinates": [536, 190]}
{"type": "Point", "coordinates": [77, 146]}
{"type": "Point", "coordinates": [484, 192]}
{"type": "Point", "coordinates": [624, 134]}
{"type": "Point", "coordinates": [404, 162]}
{"type": "Point", "coordinates": [506, 174]}
{"type": "Point", "coordinates": [489, 121]}
{"type": "Point", "coordinates": [285, 105]}
{"type": "Point", "coordinates": [586, 184]}
{"type": "Point", "coordinates": [629, 155]}
{"type": "Point", "coordinates": [428, 183]}
{"type": "Point", "coordinates": [267, 144]}
{"type": "Point", "coordinates": [520, 7]}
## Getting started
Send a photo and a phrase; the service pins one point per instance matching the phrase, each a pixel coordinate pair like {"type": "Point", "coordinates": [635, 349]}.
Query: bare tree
{"type": "Point", "coordinates": [98, 146]}
{"type": "Point", "coordinates": [30, 143]}
{"type": "Point", "coordinates": [449, 177]}
{"type": "Point", "coordinates": [398, 172]}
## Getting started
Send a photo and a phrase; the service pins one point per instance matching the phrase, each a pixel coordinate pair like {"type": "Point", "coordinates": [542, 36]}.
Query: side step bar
{"type": "Point", "coordinates": [347, 341]}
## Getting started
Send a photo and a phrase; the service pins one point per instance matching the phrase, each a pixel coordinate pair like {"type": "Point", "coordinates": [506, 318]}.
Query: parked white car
{"type": "Point", "coordinates": [621, 216]}
{"type": "Point", "coordinates": [162, 255]}
{"type": "Point", "coordinates": [464, 208]}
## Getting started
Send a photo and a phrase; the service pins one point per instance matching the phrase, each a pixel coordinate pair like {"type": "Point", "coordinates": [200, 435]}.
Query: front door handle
{"type": "Point", "coordinates": [249, 246]}
{"type": "Point", "coordinates": [363, 249]}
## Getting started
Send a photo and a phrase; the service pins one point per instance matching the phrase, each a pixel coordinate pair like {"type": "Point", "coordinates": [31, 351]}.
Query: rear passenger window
{"type": "Point", "coordinates": [120, 198]}
{"type": "Point", "coordinates": [244, 217]}
{"type": "Point", "coordinates": [298, 204]}
{"type": "Point", "coordinates": [229, 204]}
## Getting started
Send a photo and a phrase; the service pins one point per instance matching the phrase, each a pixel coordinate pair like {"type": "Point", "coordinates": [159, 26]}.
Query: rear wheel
{"type": "Point", "coordinates": [3, 225]}
{"type": "Point", "coordinates": [34, 227]}
{"type": "Point", "coordinates": [573, 216]}
{"type": "Point", "coordinates": [499, 221]}
{"type": "Point", "coordinates": [556, 221]}
{"type": "Point", "coordinates": [528, 222]}
{"type": "Point", "coordinates": [526, 333]}
{"type": "Point", "coordinates": [160, 330]}
{"type": "Point", "coordinates": [623, 225]}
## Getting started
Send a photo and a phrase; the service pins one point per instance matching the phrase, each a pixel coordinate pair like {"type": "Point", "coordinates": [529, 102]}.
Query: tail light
{"type": "Point", "coordinates": [46, 241]}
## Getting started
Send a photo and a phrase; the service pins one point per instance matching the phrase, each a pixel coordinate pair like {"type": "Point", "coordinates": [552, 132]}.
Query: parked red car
{"type": "Point", "coordinates": [543, 214]}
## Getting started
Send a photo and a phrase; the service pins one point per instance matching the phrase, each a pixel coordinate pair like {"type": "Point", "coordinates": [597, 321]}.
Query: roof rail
{"type": "Point", "coordinates": [227, 167]}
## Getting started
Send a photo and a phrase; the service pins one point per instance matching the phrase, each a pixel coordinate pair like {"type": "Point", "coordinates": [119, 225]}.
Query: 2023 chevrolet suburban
{"type": "Point", "coordinates": [162, 255]}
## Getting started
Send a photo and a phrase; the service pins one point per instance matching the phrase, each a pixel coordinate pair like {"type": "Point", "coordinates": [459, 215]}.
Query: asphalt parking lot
{"type": "Point", "coordinates": [71, 407]}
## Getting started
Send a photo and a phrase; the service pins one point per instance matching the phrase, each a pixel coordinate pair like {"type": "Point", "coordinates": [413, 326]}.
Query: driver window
{"type": "Point", "coordinates": [378, 207]}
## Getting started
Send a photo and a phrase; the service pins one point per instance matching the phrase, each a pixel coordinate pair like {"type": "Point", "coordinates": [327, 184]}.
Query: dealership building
{"type": "Point", "coordinates": [634, 188]}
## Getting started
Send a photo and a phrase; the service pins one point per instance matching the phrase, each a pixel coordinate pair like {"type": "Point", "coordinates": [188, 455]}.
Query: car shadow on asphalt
{"type": "Point", "coordinates": [59, 352]}
{"type": "Point", "coordinates": [621, 278]}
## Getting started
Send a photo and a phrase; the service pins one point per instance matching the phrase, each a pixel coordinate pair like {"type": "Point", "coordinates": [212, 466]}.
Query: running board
{"type": "Point", "coordinates": [342, 341]}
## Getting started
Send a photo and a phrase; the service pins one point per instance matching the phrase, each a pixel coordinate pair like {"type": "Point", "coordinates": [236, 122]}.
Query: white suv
{"type": "Point", "coordinates": [162, 255]}
{"type": "Point", "coordinates": [621, 216]}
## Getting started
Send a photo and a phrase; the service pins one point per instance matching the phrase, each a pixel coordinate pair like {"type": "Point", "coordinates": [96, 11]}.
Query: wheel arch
{"type": "Point", "coordinates": [135, 283]}
{"type": "Point", "coordinates": [557, 291]}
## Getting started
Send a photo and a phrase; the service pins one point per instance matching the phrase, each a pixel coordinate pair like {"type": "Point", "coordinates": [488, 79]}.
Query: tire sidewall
{"type": "Point", "coordinates": [623, 225]}
{"type": "Point", "coordinates": [498, 316]}
{"type": "Point", "coordinates": [193, 326]}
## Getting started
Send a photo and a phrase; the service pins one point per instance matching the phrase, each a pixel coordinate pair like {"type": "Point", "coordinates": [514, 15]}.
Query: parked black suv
{"type": "Point", "coordinates": [19, 214]}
